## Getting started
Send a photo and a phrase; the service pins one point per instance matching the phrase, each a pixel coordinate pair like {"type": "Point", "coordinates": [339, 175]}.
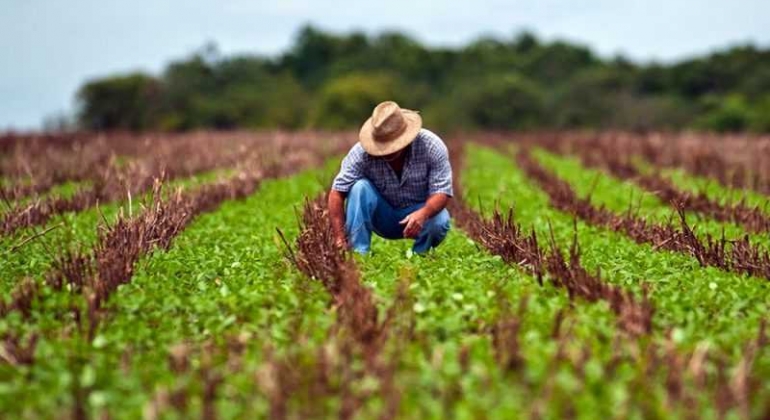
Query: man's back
{"type": "Point", "coordinates": [395, 182]}
{"type": "Point", "coordinates": [426, 171]}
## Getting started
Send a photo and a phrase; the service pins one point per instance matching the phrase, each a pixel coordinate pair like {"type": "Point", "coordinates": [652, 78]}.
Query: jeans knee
{"type": "Point", "coordinates": [439, 224]}
{"type": "Point", "coordinates": [362, 197]}
{"type": "Point", "coordinates": [361, 188]}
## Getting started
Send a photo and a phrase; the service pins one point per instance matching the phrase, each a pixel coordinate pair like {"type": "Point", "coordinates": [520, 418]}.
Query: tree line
{"type": "Point", "coordinates": [332, 81]}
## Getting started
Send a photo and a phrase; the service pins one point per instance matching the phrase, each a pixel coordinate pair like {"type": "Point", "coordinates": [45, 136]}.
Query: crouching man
{"type": "Point", "coordinates": [397, 181]}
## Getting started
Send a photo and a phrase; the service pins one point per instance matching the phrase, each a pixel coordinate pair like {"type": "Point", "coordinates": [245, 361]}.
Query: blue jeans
{"type": "Point", "coordinates": [367, 211]}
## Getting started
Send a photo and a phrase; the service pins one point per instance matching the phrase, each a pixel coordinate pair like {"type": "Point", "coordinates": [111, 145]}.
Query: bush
{"type": "Point", "coordinates": [507, 101]}
{"type": "Point", "coordinates": [125, 102]}
{"type": "Point", "coordinates": [725, 114]}
{"type": "Point", "coordinates": [760, 120]}
{"type": "Point", "coordinates": [348, 100]}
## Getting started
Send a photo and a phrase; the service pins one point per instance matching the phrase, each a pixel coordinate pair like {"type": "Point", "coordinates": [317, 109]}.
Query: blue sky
{"type": "Point", "coordinates": [50, 47]}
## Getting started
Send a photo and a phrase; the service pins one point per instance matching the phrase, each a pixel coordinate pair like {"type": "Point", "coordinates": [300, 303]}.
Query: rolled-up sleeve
{"type": "Point", "coordinates": [352, 170]}
{"type": "Point", "coordinates": [440, 176]}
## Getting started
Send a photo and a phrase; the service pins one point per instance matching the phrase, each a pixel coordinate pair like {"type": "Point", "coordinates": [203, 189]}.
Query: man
{"type": "Point", "coordinates": [397, 181]}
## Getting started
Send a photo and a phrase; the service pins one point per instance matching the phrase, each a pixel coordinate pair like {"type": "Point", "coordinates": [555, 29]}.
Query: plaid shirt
{"type": "Point", "coordinates": [426, 172]}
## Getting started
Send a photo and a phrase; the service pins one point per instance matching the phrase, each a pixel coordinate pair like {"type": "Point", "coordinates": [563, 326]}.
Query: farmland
{"type": "Point", "coordinates": [610, 275]}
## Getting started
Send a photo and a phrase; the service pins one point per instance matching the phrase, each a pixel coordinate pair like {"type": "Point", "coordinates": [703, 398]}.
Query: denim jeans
{"type": "Point", "coordinates": [367, 211]}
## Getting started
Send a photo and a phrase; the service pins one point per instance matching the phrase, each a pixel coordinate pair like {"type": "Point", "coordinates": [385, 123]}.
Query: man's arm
{"type": "Point", "coordinates": [416, 220]}
{"type": "Point", "coordinates": [439, 188]}
{"type": "Point", "coordinates": [435, 204]}
{"type": "Point", "coordinates": [351, 170]}
{"type": "Point", "coordinates": [336, 205]}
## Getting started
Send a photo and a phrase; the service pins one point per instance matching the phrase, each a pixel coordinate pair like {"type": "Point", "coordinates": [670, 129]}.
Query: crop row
{"type": "Point", "coordinates": [738, 255]}
{"type": "Point", "coordinates": [84, 156]}
{"type": "Point", "coordinates": [123, 242]}
{"type": "Point", "coordinates": [546, 360]}
{"type": "Point", "coordinates": [227, 285]}
{"type": "Point", "coordinates": [596, 153]}
{"type": "Point", "coordinates": [116, 181]}
{"type": "Point", "coordinates": [502, 236]}
{"type": "Point", "coordinates": [361, 330]}
{"type": "Point", "coordinates": [31, 251]}
{"type": "Point", "coordinates": [733, 160]}
{"type": "Point", "coordinates": [503, 339]}
{"type": "Point", "coordinates": [676, 280]}
{"type": "Point", "coordinates": [693, 381]}
{"type": "Point", "coordinates": [98, 274]}
{"type": "Point", "coordinates": [684, 312]}
{"type": "Point", "coordinates": [625, 197]}
{"type": "Point", "coordinates": [221, 325]}
{"type": "Point", "coordinates": [90, 279]}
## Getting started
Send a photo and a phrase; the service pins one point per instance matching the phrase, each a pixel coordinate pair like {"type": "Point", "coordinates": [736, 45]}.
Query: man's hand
{"type": "Point", "coordinates": [414, 223]}
{"type": "Point", "coordinates": [341, 242]}
{"type": "Point", "coordinates": [337, 218]}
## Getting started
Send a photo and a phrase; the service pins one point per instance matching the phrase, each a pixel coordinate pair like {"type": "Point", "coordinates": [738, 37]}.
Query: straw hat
{"type": "Point", "coordinates": [389, 129]}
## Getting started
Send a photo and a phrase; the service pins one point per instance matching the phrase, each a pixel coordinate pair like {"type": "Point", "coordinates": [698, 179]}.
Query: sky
{"type": "Point", "coordinates": [48, 48]}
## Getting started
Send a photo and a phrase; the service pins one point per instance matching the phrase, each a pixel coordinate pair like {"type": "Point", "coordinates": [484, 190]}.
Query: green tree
{"type": "Point", "coordinates": [588, 100]}
{"type": "Point", "coordinates": [760, 121]}
{"type": "Point", "coordinates": [124, 102]}
{"type": "Point", "coordinates": [315, 52]}
{"type": "Point", "coordinates": [187, 86]}
{"type": "Point", "coordinates": [725, 114]}
{"type": "Point", "coordinates": [348, 100]}
{"type": "Point", "coordinates": [333, 80]}
{"type": "Point", "coordinates": [505, 101]}
{"type": "Point", "coordinates": [277, 101]}
{"type": "Point", "coordinates": [557, 62]}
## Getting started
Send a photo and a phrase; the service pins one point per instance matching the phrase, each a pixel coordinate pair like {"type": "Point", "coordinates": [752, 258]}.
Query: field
{"type": "Point", "coordinates": [604, 275]}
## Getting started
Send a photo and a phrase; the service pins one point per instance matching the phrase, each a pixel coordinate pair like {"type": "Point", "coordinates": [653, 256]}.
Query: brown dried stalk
{"type": "Point", "coordinates": [504, 237]}
{"type": "Point", "coordinates": [739, 256]}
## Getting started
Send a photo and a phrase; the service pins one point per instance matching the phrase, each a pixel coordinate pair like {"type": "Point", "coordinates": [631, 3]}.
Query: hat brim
{"type": "Point", "coordinates": [380, 148]}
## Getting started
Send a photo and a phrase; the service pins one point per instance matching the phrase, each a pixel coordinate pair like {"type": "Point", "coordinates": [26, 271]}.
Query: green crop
{"type": "Point", "coordinates": [620, 196]}
{"type": "Point", "coordinates": [700, 303]}
{"type": "Point", "coordinates": [716, 191]}
{"type": "Point", "coordinates": [224, 275]}
{"type": "Point", "coordinates": [19, 257]}
{"type": "Point", "coordinates": [224, 308]}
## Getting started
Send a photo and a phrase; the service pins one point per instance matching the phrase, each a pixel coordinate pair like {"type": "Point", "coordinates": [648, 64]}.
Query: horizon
{"type": "Point", "coordinates": [49, 58]}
